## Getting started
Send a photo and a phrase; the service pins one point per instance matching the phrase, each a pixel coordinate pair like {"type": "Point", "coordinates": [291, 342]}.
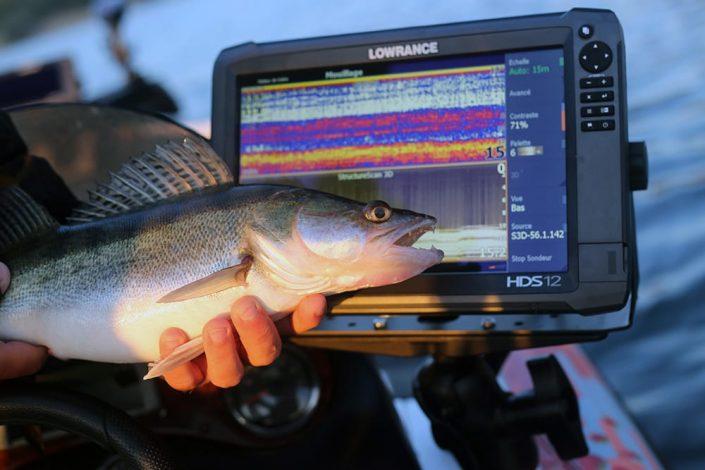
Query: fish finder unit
{"type": "Point", "coordinates": [511, 132]}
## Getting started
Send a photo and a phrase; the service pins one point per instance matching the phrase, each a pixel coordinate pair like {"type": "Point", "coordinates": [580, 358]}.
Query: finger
{"type": "Point", "coordinates": [307, 315]}
{"type": "Point", "coordinates": [186, 376]}
{"type": "Point", "coordinates": [224, 366]}
{"type": "Point", "coordinates": [4, 278]}
{"type": "Point", "coordinates": [18, 359]}
{"type": "Point", "coordinates": [258, 335]}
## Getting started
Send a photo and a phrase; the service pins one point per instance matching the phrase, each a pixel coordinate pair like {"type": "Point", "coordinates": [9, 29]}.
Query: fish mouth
{"type": "Point", "coordinates": [415, 232]}
{"type": "Point", "coordinates": [405, 236]}
{"type": "Point", "coordinates": [395, 259]}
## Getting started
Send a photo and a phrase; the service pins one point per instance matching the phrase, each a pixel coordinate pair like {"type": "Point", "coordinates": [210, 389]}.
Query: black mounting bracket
{"type": "Point", "coordinates": [487, 427]}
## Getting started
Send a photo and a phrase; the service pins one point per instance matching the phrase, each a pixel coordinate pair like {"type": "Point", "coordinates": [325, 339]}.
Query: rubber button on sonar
{"type": "Point", "coordinates": [596, 96]}
{"type": "Point", "coordinates": [606, 125]}
{"type": "Point", "coordinates": [586, 31]}
{"type": "Point", "coordinates": [594, 111]}
{"type": "Point", "coordinates": [595, 56]}
{"type": "Point", "coordinates": [596, 82]}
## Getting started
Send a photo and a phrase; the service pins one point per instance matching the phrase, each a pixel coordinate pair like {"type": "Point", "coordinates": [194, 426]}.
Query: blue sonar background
{"type": "Point", "coordinates": [657, 367]}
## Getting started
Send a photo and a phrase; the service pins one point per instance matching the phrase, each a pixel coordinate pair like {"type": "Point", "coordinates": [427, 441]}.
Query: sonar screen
{"type": "Point", "coordinates": [456, 137]}
{"type": "Point", "coordinates": [511, 132]}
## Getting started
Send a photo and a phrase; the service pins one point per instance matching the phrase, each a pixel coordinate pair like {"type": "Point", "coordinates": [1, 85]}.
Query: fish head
{"type": "Point", "coordinates": [317, 242]}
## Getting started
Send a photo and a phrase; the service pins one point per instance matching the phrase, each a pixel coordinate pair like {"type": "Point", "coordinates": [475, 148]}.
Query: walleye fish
{"type": "Point", "coordinates": [171, 241]}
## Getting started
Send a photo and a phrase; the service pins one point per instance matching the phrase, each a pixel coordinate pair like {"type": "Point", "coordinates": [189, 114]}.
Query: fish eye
{"type": "Point", "coordinates": [378, 211]}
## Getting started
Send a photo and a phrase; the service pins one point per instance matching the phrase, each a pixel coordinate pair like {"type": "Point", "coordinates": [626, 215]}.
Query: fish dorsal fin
{"type": "Point", "coordinates": [21, 218]}
{"type": "Point", "coordinates": [170, 170]}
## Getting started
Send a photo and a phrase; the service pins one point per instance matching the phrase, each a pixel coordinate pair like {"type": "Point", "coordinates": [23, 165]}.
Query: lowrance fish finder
{"type": "Point", "coordinates": [511, 132]}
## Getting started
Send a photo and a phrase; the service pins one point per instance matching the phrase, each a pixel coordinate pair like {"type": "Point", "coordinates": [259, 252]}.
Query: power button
{"type": "Point", "coordinates": [586, 31]}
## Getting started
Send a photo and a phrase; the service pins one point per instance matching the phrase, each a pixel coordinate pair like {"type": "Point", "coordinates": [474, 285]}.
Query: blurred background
{"type": "Point", "coordinates": [658, 366]}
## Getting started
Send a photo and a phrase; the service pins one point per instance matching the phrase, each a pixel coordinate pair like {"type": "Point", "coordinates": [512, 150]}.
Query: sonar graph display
{"type": "Point", "coordinates": [430, 136]}
{"type": "Point", "coordinates": [401, 120]}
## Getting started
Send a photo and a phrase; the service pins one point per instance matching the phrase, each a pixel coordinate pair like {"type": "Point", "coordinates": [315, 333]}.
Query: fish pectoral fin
{"type": "Point", "coordinates": [181, 355]}
{"type": "Point", "coordinates": [227, 278]}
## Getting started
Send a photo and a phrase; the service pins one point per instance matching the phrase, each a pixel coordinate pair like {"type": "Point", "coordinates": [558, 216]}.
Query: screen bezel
{"type": "Point", "coordinates": [449, 282]}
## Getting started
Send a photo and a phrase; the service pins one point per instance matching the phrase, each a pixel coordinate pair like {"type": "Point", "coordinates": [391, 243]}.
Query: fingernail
{"type": "Point", "coordinates": [218, 335]}
{"type": "Point", "coordinates": [320, 313]}
{"type": "Point", "coordinates": [173, 343]}
{"type": "Point", "coordinates": [249, 313]}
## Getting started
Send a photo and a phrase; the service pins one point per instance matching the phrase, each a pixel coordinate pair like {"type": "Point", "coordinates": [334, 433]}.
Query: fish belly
{"type": "Point", "coordinates": [98, 327]}
{"type": "Point", "coordinates": [138, 324]}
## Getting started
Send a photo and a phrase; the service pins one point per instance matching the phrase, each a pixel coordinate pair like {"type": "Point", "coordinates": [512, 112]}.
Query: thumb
{"type": "Point", "coordinates": [18, 359]}
{"type": "Point", "coordinates": [4, 278]}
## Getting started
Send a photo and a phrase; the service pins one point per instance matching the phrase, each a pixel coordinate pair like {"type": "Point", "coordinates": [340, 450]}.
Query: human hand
{"type": "Point", "coordinates": [247, 336]}
{"type": "Point", "coordinates": [17, 358]}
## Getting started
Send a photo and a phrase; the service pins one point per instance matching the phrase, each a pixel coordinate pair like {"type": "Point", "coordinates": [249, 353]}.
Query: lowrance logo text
{"type": "Point", "coordinates": [403, 50]}
{"type": "Point", "coordinates": [534, 281]}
